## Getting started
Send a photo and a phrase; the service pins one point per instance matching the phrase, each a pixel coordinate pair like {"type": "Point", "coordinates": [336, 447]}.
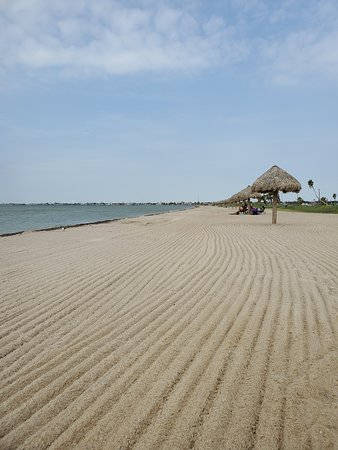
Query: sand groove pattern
{"type": "Point", "coordinates": [192, 329]}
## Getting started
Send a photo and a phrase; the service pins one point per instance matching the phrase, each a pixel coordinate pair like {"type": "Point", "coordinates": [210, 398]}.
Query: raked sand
{"type": "Point", "coordinates": [192, 329]}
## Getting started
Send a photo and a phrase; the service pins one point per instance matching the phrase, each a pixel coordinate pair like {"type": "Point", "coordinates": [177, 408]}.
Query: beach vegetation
{"type": "Point", "coordinates": [320, 199]}
{"type": "Point", "coordinates": [311, 207]}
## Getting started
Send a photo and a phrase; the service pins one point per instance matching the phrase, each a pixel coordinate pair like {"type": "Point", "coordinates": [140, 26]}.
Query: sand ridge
{"type": "Point", "coordinates": [193, 329]}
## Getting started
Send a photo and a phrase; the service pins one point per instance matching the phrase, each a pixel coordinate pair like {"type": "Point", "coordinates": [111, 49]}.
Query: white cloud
{"type": "Point", "coordinates": [110, 38]}
{"type": "Point", "coordinates": [300, 55]}
{"type": "Point", "coordinates": [306, 49]}
{"type": "Point", "coordinates": [285, 40]}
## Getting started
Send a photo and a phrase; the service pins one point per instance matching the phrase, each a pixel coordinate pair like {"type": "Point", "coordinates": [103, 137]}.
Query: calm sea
{"type": "Point", "coordinates": [15, 218]}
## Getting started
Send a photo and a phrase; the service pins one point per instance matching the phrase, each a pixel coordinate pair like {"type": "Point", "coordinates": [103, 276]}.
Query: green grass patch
{"type": "Point", "coordinates": [326, 209]}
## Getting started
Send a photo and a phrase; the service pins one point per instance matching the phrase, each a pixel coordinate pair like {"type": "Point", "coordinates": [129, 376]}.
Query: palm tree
{"type": "Point", "coordinates": [311, 186]}
{"type": "Point", "coordinates": [334, 196]}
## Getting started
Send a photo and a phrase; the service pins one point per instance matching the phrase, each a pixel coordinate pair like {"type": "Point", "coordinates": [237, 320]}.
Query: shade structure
{"type": "Point", "coordinates": [244, 194]}
{"type": "Point", "coordinates": [274, 180]}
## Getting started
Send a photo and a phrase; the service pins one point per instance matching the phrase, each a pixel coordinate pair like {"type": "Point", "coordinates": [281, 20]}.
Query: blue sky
{"type": "Point", "coordinates": [165, 100]}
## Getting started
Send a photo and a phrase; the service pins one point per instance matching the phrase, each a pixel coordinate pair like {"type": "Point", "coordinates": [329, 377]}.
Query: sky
{"type": "Point", "coordinates": [144, 100]}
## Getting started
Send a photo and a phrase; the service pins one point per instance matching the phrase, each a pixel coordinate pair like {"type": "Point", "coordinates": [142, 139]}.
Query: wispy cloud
{"type": "Point", "coordinates": [286, 40]}
{"type": "Point", "coordinates": [111, 38]}
{"type": "Point", "coordinates": [307, 47]}
{"type": "Point", "coordinates": [300, 55]}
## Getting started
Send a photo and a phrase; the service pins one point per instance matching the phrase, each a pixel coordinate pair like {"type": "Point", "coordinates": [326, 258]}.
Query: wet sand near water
{"type": "Point", "coordinates": [193, 329]}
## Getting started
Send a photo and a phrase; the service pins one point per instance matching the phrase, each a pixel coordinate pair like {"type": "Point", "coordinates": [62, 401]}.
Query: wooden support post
{"type": "Point", "coordinates": [274, 207]}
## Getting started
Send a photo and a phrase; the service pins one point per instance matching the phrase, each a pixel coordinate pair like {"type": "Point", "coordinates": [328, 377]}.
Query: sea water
{"type": "Point", "coordinates": [15, 218]}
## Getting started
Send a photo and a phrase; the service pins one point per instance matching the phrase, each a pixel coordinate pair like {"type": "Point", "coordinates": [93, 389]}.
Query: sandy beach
{"type": "Point", "coordinates": [193, 329]}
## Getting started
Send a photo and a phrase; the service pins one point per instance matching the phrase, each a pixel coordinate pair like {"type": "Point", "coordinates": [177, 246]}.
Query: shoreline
{"type": "Point", "coordinates": [82, 224]}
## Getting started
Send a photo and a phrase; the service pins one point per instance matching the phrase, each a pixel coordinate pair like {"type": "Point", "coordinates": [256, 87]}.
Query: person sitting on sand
{"type": "Point", "coordinates": [257, 211]}
{"type": "Point", "coordinates": [241, 210]}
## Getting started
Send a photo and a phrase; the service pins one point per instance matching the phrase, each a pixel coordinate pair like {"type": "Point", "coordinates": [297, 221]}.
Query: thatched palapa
{"type": "Point", "coordinates": [244, 194]}
{"type": "Point", "coordinates": [276, 179]}
{"type": "Point", "coordinates": [273, 181]}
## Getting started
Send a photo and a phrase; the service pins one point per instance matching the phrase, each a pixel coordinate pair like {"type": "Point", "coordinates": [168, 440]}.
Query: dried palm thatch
{"type": "Point", "coordinates": [274, 180]}
{"type": "Point", "coordinates": [244, 194]}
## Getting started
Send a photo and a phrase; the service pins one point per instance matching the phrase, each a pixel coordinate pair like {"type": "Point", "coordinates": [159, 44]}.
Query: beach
{"type": "Point", "coordinates": [189, 329]}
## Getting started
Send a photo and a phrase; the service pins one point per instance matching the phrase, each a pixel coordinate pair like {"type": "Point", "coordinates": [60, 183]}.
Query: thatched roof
{"type": "Point", "coordinates": [276, 179]}
{"type": "Point", "coordinates": [244, 194]}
